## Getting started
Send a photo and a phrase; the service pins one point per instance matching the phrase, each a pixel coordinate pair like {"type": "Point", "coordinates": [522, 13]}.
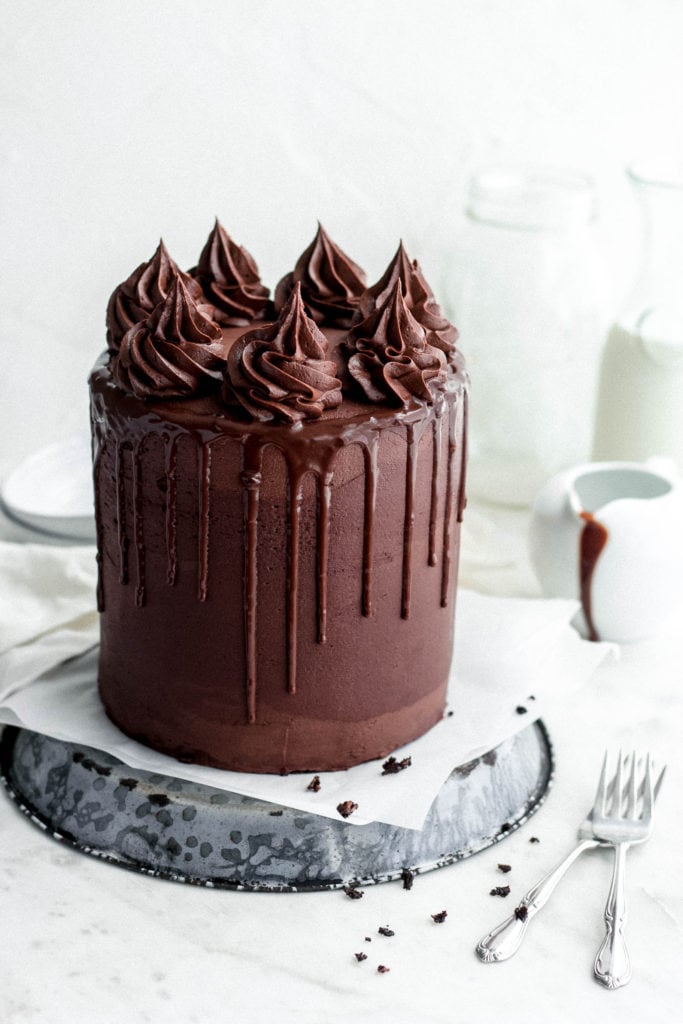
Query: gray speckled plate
{"type": "Point", "coordinates": [191, 833]}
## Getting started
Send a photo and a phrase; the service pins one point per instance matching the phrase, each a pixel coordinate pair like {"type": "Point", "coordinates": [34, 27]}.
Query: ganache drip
{"type": "Point", "coordinates": [419, 299]}
{"type": "Point", "coordinates": [391, 357]}
{"type": "Point", "coordinates": [331, 283]}
{"type": "Point", "coordinates": [142, 292]}
{"type": "Point", "coordinates": [230, 279]}
{"type": "Point", "coordinates": [175, 353]}
{"type": "Point", "coordinates": [281, 371]}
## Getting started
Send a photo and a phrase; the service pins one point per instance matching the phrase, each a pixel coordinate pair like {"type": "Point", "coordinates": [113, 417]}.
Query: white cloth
{"type": "Point", "coordinates": [509, 653]}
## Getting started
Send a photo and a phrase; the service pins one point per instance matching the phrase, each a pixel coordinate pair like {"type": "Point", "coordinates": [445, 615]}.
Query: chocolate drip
{"type": "Point", "coordinates": [251, 481]}
{"type": "Point", "coordinates": [170, 461]}
{"type": "Point", "coordinates": [409, 518]}
{"type": "Point", "coordinates": [462, 493]}
{"type": "Point", "coordinates": [204, 509]}
{"type": "Point", "coordinates": [138, 525]}
{"type": "Point", "coordinates": [370, 461]}
{"type": "Point", "coordinates": [434, 498]}
{"type": "Point", "coordinates": [324, 500]}
{"type": "Point", "coordinates": [121, 513]}
{"type": "Point", "coordinates": [97, 470]}
{"type": "Point", "coordinates": [448, 512]}
{"type": "Point", "coordinates": [295, 501]}
{"type": "Point", "coordinates": [593, 539]}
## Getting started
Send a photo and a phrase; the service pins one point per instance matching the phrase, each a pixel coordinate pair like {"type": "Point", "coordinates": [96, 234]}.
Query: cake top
{"type": "Point", "coordinates": [215, 331]}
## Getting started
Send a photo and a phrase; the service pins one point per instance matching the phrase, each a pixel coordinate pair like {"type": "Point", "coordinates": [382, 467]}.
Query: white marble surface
{"type": "Point", "coordinates": [84, 941]}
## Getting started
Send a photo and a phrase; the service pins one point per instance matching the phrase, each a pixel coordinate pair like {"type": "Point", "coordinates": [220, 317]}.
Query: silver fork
{"type": "Point", "coordinates": [504, 941]}
{"type": "Point", "coordinates": [629, 821]}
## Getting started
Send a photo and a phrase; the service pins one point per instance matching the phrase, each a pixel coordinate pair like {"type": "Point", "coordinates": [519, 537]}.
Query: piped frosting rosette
{"type": "Point", "coordinates": [281, 371]}
{"type": "Point", "coordinates": [390, 354]}
{"type": "Point", "coordinates": [141, 293]}
{"type": "Point", "coordinates": [331, 283]}
{"type": "Point", "coordinates": [230, 279]}
{"type": "Point", "coordinates": [176, 352]}
{"type": "Point", "coordinates": [418, 297]}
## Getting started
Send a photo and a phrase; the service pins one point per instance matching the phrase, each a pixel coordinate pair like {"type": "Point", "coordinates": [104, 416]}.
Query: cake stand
{"type": "Point", "coordinates": [192, 833]}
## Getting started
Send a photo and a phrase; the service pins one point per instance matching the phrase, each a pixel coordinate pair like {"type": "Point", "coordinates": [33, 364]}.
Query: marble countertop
{"type": "Point", "coordinates": [86, 941]}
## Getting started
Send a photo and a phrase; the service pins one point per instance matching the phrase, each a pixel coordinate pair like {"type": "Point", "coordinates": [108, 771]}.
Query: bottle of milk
{"type": "Point", "coordinates": [640, 396]}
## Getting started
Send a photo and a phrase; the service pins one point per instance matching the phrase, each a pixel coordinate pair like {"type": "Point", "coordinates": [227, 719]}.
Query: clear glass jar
{"type": "Point", "coordinates": [525, 301]}
{"type": "Point", "coordinates": [640, 405]}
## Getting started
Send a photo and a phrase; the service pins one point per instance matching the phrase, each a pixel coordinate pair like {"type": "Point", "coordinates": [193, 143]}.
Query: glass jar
{"type": "Point", "coordinates": [525, 301]}
{"type": "Point", "coordinates": [640, 405]}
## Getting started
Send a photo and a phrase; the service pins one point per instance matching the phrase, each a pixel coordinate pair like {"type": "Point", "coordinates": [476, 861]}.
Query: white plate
{"type": "Point", "coordinates": [52, 490]}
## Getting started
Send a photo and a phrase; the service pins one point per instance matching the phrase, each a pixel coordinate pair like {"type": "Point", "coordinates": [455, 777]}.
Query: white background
{"type": "Point", "coordinates": [128, 120]}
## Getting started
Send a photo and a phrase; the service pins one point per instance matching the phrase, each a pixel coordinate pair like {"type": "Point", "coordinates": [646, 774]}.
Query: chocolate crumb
{"type": "Point", "coordinates": [505, 868]}
{"type": "Point", "coordinates": [500, 890]}
{"type": "Point", "coordinates": [314, 784]}
{"type": "Point", "coordinates": [386, 931]}
{"type": "Point", "coordinates": [347, 808]}
{"type": "Point", "coordinates": [360, 957]}
{"type": "Point", "coordinates": [440, 917]}
{"type": "Point", "coordinates": [449, 714]}
{"type": "Point", "coordinates": [353, 893]}
{"type": "Point", "coordinates": [505, 827]}
{"type": "Point", "coordinates": [276, 814]}
{"type": "Point", "coordinates": [408, 877]}
{"type": "Point", "coordinates": [368, 939]}
{"type": "Point", "coordinates": [391, 766]}
{"type": "Point", "coordinates": [534, 839]}
{"type": "Point", "coordinates": [382, 969]}
{"type": "Point", "coordinates": [520, 710]}
{"type": "Point", "coordinates": [531, 697]}
{"type": "Point", "coordinates": [159, 799]}
{"type": "Point", "coordinates": [521, 913]}
{"type": "Point", "coordinates": [128, 783]}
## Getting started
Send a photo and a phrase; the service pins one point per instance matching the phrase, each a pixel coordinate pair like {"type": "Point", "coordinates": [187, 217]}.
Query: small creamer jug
{"type": "Point", "coordinates": [611, 535]}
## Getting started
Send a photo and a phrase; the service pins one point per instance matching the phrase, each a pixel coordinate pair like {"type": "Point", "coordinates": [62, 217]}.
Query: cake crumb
{"type": "Point", "coordinates": [386, 930]}
{"type": "Point", "coordinates": [534, 839]}
{"type": "Point", "coordinates": [505, 827]}
{"type": "Point", "coordinates": [381, 969]}
{"type": "Point", "coordinates": [521, 913]}
{"type": "Point", "coordinates": [500, 890]}
{"type": "Point", "coordinates": [520, 709]}
{"type": "Point", "coordinates": [368, 939]}
{"type": "Point", "coordinates": [353, 893]}
{"type": "Point", "coordinates": [449, 714]}
{"type": "Point", "coordinates": [408, 877]}
{"type": "Point", "coordinates": [347, 808]}
{"type": "Point", "coordinates": [314, 784]}
{"type": "Point", "coordinates": [505, 868]}
{"type": "Point", "coordinates": [440, 917]}
{"type": "Point", "coordinates": [391, 766]}
{"type": "Point", "coordinates": [360, 957]}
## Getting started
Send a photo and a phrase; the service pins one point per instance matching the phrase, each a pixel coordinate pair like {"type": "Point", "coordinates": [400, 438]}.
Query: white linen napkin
{"type": "Point", "coordinates": [510, 653]}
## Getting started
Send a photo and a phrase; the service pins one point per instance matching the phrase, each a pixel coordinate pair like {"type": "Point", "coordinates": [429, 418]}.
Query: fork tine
{"type": "Point", "coordinates": [658, 783]}
{"type": "Point", "coordinates": [648, 795]}
{"type": "Point", "coordinates": [632, 788]}
{"type": "Point", "coordinates": [618, 781]}
{"type": "Point", "coordinates": [600, 801]}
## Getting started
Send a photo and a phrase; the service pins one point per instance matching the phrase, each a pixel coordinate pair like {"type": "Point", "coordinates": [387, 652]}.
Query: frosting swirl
{"type": "Point", "coordinates": [418, 296]}
{"type": "Point", "coordinates": [331, 283]}
{"type": "Point", "coordinates": [137, 296]}
{"type": "Point", "coordinates": [280, 371]}
{"type": "Point", "coordinates": [174, 353]}
{"type": "Point", "coordinates": [392, 356]}
{"type": "Point", "coordinates": [230, 278]}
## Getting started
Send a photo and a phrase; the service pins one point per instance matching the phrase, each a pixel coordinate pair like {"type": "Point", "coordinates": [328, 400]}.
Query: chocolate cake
{"type": "Point", "coordinates": [279, 486]}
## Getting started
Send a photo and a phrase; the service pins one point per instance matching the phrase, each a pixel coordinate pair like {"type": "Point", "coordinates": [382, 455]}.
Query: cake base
{"type": "Point", "coordinates": [186, 832]}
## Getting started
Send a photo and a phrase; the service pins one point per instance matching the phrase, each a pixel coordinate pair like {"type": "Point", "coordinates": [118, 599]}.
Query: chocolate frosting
{"type": "Point", "coordinates": [331, 283]}
{"type": "Point", "coordinates": [418, 296]}
{"type": "Point", "coordinates": [392, 356]}
{"type": "Point", "coordinates": [138, 296]}
{"type": "Point", "coordinates": [230, 278]}
{"type": "Point", "coordinates": [176, 352]}
{"type": "Point", "coordinates": [280, 371]}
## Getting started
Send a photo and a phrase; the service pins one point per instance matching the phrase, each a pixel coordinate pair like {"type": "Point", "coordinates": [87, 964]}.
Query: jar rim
{"type": "Point", "coordinates": [662, 175]}
{"type": "Point", "coordinates": [533, 197]}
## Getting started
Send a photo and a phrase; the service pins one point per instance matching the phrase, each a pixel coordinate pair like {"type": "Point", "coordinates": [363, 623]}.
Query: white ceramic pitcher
{"type": "Point", "coordinates": [611, 535]}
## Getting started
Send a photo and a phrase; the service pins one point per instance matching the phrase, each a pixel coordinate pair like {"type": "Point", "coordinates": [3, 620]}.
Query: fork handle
{"type": "Point", "coordinates": [612, 964]}
{"type": "Point", "coordinates": [505, 940]}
